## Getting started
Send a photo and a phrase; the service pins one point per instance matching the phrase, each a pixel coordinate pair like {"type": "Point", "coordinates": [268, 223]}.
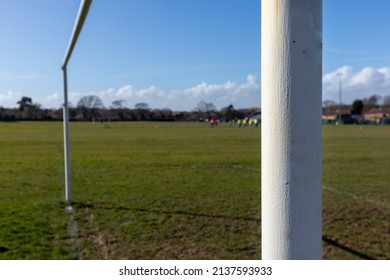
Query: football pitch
{"type": "Point", "coordinates": [146, 190]}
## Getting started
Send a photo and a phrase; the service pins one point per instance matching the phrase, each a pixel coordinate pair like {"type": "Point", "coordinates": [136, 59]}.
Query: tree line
{"type": "Point", "coordinates": [92, 108]}
{"type": "Point", "coordinates": [373, 100]}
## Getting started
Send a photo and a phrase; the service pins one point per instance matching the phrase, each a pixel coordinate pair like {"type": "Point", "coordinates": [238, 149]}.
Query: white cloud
{"type": "Point", "coordinates": [244, 95]}
{"type": "Point", "coordinates": [251, 79]}
{"type": "Point", "coordinates": [52, 101]}
{"type": "Point", "coordinates": [221, 95]}
{"type": "Point", "coordinates": [356, 84]}
{"type": "Point", "coordinates": [10, 99]}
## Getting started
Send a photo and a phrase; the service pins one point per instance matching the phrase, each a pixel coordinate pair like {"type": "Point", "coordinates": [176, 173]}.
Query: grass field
{"type": "Point", "coordinates": [176, 191]}
{"type": "Point", "coordinates": [356, 192]}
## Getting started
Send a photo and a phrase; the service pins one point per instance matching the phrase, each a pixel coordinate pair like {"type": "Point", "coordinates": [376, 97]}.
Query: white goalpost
{"type": "Point", "coordinates": [291, 88]}
{"type": "Point", "coordinates": [81, 16]}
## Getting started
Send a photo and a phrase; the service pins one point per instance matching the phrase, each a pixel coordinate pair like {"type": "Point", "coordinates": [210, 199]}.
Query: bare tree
{"type": "Point", "coordinates": [118, 104]}
{"type": "Point", "coordinates": [142, 106]}
{"type": "Point", "coordinates": [90, 102]}
{"type": "Point", "coordinates": [205, 110]}
{"type": "Point", "coordinates": [142, 111]}
{"type": "Point", "coordinates": [204, 106]}
{"type": "Point", "coordinates": [328, 103]}
{"type": "Point", "coordinates": [372, 100]}
{"type": "Point", "coordinates": [90, 106]}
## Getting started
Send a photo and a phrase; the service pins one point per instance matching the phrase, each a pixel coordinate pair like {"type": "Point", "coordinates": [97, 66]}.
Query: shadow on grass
{"type": "Point", "coordinates": [3, 249]}
{"type": "Point", "coordinates": [346, 249]}
{"type": "Point", "coordinates": [179, 212]}
{"type": "Point", "coordinates": [325, 239]}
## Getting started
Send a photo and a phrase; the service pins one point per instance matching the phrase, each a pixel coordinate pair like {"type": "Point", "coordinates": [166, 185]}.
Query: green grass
{"type": "Point", "coordinates": [142, 190]}
{"type": "Point", "coordinates": [356, 197]}
{"type": "Point", "coordinates": [175, 191]}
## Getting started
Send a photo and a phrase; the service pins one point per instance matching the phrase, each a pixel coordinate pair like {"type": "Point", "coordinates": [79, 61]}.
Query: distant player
{"type": "Point", "coordinates": [212, 122]}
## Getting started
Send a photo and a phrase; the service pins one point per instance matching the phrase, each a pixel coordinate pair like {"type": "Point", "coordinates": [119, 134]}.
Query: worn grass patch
{"type": "Point", "coordinates": [141, 191]}
{"type": "Point", "coordinates": [176, 191]}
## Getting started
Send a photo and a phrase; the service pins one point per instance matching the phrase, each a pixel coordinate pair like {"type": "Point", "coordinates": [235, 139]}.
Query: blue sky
{"type": "Point", "coordinates": [175, 53]}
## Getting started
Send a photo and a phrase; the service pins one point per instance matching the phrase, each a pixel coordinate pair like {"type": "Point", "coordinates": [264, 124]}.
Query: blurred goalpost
{"type": "Point", "coordinates": [81, 16]}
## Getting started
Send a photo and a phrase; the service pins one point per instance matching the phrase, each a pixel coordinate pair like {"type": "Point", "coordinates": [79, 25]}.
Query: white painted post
{"type": "Point", "coordinates": [291, 58]}
{"type": "Point", "coordinates": [81, 16]}
{"type": "Point", "coordinates": [68, 185]}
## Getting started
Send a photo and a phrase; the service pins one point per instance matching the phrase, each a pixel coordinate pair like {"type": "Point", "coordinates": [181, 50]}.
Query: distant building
{"type": "Point", "coordinates": [330, 115]}
{"type": "Point", "coordinates": [377, 115]}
